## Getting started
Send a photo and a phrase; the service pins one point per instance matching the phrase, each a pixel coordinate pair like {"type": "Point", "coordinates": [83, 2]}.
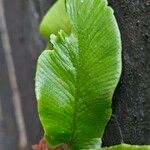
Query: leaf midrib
{"type": "Point", "coordinates": [76, 96]}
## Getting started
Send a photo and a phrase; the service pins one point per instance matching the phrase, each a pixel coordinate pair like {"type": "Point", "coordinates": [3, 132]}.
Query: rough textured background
{"type": "Point", "coordinates": [131, 104]}
{"type": "Point", "coordinates": [130, 122]}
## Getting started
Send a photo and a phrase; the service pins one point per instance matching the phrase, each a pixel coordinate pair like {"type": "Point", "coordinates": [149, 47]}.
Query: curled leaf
{"type": "Point", "coordinates": [55, 19]}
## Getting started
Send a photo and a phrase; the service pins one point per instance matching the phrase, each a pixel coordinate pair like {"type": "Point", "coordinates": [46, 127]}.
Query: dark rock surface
{"type": "Point", "coordinates": [130, 122]}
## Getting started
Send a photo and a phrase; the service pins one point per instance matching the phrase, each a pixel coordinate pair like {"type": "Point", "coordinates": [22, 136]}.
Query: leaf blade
{"type": "Point", "coordinates": [127, 147]}
{"type": "Point", "coordinates": [55, 19]}
{"type": "Point", "coordinates": [76, 80]}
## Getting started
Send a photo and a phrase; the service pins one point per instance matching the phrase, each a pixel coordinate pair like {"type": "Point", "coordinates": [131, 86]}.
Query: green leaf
{"type": "Point", "coordinates": [128, 147]}
{"type": "Point", "coordinates": [76, 80]}
{"type": "Point", "coordinates": [55, 19]}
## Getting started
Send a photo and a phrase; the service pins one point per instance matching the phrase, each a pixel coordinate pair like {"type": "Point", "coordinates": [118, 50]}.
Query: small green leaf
{"type": "Point", "coordinates": [127, 147]}
{"type": "Point", "coordinates": [55, 19]}
{"type": "Point", "coordinates": [76, 80]}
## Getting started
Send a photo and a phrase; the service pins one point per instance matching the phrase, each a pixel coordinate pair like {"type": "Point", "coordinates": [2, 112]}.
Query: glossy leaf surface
{"type": "Point", "coordinates": [76, 80]}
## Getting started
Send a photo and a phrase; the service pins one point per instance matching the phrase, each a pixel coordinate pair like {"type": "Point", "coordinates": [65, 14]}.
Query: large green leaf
{"type": "Point", "coordinates": [55, 19]}
{"type": "Point", "coordinates": [128, 147]}
{"type": "Point", "coordinates": [75, 81]}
